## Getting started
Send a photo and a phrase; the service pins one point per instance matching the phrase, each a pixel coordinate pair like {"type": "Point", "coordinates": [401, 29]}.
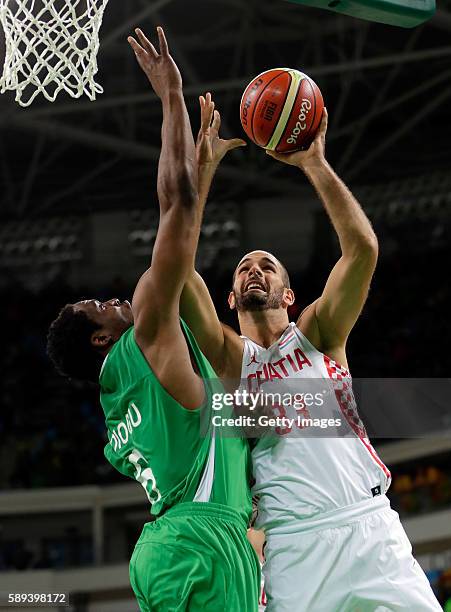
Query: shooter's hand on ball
{"type": "Point", "coordinates": [160, 68]}
{"type": "Point", "coordinates": [210, 148]}
{"type": "Point", "coordinates": [313, 156]}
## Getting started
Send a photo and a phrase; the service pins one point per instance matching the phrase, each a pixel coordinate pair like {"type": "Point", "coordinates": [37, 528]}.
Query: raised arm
{"type": "Point", "coordinates": [332, 316]}
{"type": "Point", "coordinates": [178, 229]}
{"type": "Point", "coordinates": [157, 295]}
{"type": "Point", "coordinates": [221, 345]}
{"type": "Point", "coordinates": [210, 147]}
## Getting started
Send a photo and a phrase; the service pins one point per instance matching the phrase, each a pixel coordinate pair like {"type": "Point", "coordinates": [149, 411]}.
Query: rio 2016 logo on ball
{"type": "Point", "coordinates": [281, 110]}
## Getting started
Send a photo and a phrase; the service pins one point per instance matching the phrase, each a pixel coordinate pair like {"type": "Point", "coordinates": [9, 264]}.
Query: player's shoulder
{"type": "Point", "coordinates": [307, 324]}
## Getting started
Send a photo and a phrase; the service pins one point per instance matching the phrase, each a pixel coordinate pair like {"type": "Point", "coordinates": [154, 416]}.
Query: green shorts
{"type": "Point", "coordinates": [196, 557]}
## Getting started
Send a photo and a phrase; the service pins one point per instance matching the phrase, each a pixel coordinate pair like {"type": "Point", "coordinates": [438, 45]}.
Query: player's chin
{"type": "Point", "coordinates": [253, 301]}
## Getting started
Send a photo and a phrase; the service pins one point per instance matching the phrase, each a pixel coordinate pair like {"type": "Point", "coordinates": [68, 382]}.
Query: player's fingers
{"type": "Point", "coordinates": [216, 121]}
{"type": "Point", "coordinates": [210, 105]}
{"type": "Point", "coordinates": [207, 113]}
{"type": "Point", "coordinates": [209, 110]}
{"type": "Point", "coordinates": [146, 44]}
{"type": "Point", "coordinates": [323, 124]}
{"type": "Point", "coordinates": [202, 111]}
{"type": "Point", "coordinates": [140, 52]}
{"type": "Point", "coordinates": [234, 143]}
{"type": "Point", "coordinates": [164, 49]}
{"type": "Point", "coordinates": [202, 103]}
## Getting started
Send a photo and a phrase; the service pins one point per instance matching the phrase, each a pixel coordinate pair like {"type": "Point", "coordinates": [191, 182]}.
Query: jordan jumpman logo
{"type": "Point", "coordinates": [253, 359]}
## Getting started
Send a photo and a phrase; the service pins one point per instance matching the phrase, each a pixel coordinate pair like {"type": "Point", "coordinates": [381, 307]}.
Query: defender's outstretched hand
{"type": "Point", "coordinates": [160, 68]}
{"type": "Point", "coordinates": [312, 156]}
{"type": "Point", "coordinates": [210, 148]}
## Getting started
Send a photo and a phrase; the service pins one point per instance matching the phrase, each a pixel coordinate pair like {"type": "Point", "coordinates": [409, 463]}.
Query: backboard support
{"type": "Point", "coordinates": [401, 13]}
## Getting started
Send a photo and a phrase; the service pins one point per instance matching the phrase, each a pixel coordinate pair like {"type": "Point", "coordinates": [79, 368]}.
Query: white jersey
{"type": "Point", "coordinates": [304, 475]}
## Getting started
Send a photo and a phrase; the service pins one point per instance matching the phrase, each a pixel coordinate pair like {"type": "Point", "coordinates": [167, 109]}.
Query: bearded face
{"type": "Point", "coordinates": [254, 300]}
{"type": "Point", "coordinates": [259, 283]}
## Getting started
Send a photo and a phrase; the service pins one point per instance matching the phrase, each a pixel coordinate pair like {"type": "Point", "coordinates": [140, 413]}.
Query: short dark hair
{"type": "Point", "coordinates": [69, 345]}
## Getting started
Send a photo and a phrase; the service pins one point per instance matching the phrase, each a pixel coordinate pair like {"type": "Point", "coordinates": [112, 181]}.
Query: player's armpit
{"type": "Point", "coordinates": [344, 296]}
{"type": "Point", "coordinates": [220, 344]}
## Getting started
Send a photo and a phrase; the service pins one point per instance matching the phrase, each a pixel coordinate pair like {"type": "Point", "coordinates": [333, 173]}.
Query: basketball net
{"type": "Point", "coordinates": [51, 45]}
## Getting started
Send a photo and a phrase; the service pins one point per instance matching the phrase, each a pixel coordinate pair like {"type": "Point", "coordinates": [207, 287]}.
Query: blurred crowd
{"type": "Point", "coordinates": [442, 582]}
{"type": "Point", "coordinates": [423, 488]}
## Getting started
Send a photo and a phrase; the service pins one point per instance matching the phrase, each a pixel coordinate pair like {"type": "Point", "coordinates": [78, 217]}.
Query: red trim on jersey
{"type": "Point", "coordinates": [330, 363]}
{"type": "Point", "coordinates": [287, 340]}
{"type": "Point", "coordinates": [333, 366]}
{"type": "Point", "coordinates": [370, 449]}
{"type": "Point", "coordinates": [338, 373]}
{"type": "Point", "coordinates": [263, 600]}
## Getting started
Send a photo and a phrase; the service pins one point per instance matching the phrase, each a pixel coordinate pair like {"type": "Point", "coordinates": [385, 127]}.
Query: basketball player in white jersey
{"type": "Point", "coordinates": [333, 544]}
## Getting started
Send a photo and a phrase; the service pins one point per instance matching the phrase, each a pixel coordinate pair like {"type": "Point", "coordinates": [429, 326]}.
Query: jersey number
{"type": "Point", "coordinates": [145, 476]}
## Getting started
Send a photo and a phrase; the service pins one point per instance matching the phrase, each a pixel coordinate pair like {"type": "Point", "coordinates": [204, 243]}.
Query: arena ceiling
{"type": "Point", "coordinates": [388, 92]}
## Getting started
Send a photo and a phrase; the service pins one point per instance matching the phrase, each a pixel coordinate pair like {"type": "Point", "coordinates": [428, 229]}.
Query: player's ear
{"type": "Point", "coordinates": [288, 296]}
{"type": "Point", "coordinates": [100, 339]}
{"type": "Point", "coordinates": [232, 301]}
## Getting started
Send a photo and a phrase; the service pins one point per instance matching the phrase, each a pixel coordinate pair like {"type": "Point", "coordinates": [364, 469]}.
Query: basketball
{"type": "Point", "coordinates": [281, 110]}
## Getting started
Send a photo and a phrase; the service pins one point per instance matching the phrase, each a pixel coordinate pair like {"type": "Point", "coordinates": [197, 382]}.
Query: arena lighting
{"type": "Point", "coordinates": [231, 231]}
{"type": "Point", "coordinates": [432, 184]}
{"type": "Point", "coordinates": [52, 240]}
{"type": "Point", "coordinates": [405, 207]}
{"type": "Point", "coordinates": [221, 229]}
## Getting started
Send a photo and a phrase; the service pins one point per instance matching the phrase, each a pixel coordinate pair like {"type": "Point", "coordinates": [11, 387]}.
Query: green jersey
{"type": "Point", "coordinates": [158, 442]}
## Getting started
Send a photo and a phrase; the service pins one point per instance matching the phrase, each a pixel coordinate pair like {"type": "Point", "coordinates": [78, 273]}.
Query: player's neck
{"type": "Point", "coordinates": [263, 327]}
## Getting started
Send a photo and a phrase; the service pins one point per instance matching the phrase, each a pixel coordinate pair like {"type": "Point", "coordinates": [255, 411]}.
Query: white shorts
{"type": "Point", "coordinates": [365, 565]}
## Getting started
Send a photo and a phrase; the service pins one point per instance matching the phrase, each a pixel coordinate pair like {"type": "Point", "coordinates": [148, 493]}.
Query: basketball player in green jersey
{"type": "Point", "coordinates": [156, 386]}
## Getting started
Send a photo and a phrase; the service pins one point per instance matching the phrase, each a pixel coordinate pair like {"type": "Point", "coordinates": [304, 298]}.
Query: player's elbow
{"type": "Point", "coordinates": [187, 188]}
{"type": "Point", "coordinates": [365, 247]}
{"type": "Point", "coordinates": [370, 247]}
{"type": "Point", "coordinates": [362, 255]}
{"type": "Point", "coordinates": [179, 188]}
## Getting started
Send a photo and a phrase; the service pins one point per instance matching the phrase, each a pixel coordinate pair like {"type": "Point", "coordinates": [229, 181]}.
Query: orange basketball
{"type": "Point", "coordinates": [281, 110]}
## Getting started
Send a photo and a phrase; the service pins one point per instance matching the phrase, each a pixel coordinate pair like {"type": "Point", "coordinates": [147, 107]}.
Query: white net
{"type": "Point", "coordinates": [51, 45]}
